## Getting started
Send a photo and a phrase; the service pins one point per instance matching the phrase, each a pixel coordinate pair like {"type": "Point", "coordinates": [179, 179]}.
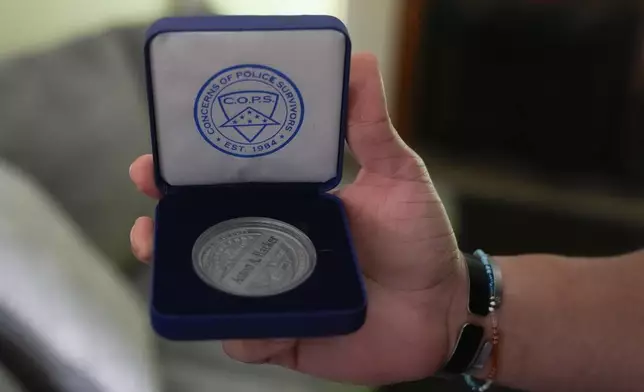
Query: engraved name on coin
{"type": "Point", "coordinates": [254, 257]}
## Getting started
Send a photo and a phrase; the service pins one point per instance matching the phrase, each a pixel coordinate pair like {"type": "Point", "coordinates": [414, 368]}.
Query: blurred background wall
{"type": "Point", "coordinates": [31, 25]}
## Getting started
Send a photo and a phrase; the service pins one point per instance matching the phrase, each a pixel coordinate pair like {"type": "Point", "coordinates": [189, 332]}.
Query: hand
{"type": "Point", "coordinates": [406, 248]}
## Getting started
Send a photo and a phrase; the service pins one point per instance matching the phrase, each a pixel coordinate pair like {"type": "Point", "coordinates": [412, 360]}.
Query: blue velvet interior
{"type": "Point", "coordinates": [335, 285]}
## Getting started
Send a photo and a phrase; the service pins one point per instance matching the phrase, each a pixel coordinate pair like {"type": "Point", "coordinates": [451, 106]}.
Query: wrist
{"type": "Point", "coordinates": [469, 304]}
{"type": "Point", "coordinates": [523, 277]}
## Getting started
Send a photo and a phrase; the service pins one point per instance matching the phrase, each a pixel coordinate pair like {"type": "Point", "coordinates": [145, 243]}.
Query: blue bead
{"type": "Point", "coordinates": [471, 383]}
{"type": "Point", "coordinates": [488, 269]}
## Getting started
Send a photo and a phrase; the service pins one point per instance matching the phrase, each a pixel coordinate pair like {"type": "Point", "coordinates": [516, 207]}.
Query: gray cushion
{"type": "Point", "coordinates": [74, 118]}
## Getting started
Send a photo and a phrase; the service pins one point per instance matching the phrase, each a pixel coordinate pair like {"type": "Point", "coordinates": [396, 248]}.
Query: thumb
{"type": "Point", "coordinates": [276, 351]}
{"type": "Point", "coordinates": [372, 138]}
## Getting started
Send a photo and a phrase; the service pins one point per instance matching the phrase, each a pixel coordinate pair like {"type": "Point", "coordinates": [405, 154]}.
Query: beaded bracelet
{"type": "Point", "coordinates": [495, 286]}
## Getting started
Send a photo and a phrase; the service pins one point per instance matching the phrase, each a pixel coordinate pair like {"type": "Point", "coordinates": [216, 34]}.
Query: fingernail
{"type": "Point", "coordinates": [132, 237]}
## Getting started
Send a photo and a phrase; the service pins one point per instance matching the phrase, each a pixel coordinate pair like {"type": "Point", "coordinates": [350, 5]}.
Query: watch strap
{"type": "Point", "coordinates": [479, 297]}
{"type": "Point", "coordinates": [465, 351]}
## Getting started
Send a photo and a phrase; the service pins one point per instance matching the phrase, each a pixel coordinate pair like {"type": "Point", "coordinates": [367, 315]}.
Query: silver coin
{"type": "Point", "coordinates": [254, 257]}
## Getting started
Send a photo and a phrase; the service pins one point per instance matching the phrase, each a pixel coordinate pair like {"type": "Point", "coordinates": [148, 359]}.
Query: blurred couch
{"type": "Point", "coordinates": [72, 297]}
{"type": "Point", "coordinates": [68, 321]}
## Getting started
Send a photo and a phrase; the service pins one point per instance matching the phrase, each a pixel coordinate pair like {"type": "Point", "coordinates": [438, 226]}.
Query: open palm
{"type": "Point", "coordinates": [406, 249]}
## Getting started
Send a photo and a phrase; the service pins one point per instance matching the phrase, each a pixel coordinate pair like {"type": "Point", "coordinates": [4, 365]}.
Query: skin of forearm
{"type": "Point", "coordinates": [572, 324]}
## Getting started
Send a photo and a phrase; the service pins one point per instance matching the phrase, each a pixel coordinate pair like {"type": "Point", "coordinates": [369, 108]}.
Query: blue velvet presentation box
{"type": "Point", "coordinates": [248, 117]}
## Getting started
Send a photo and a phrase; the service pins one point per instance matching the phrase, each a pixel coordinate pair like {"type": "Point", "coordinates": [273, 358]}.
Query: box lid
{"type": "Point", "coordinates": [248, 100]}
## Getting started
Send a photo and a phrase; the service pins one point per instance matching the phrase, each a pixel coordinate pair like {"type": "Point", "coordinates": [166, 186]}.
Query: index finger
{"type": "Point", "coordinates": [142, 174]}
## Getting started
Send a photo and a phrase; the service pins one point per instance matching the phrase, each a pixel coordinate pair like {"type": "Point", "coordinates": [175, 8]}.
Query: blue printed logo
{"type": "Point", "coordinates": [249, 111]}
